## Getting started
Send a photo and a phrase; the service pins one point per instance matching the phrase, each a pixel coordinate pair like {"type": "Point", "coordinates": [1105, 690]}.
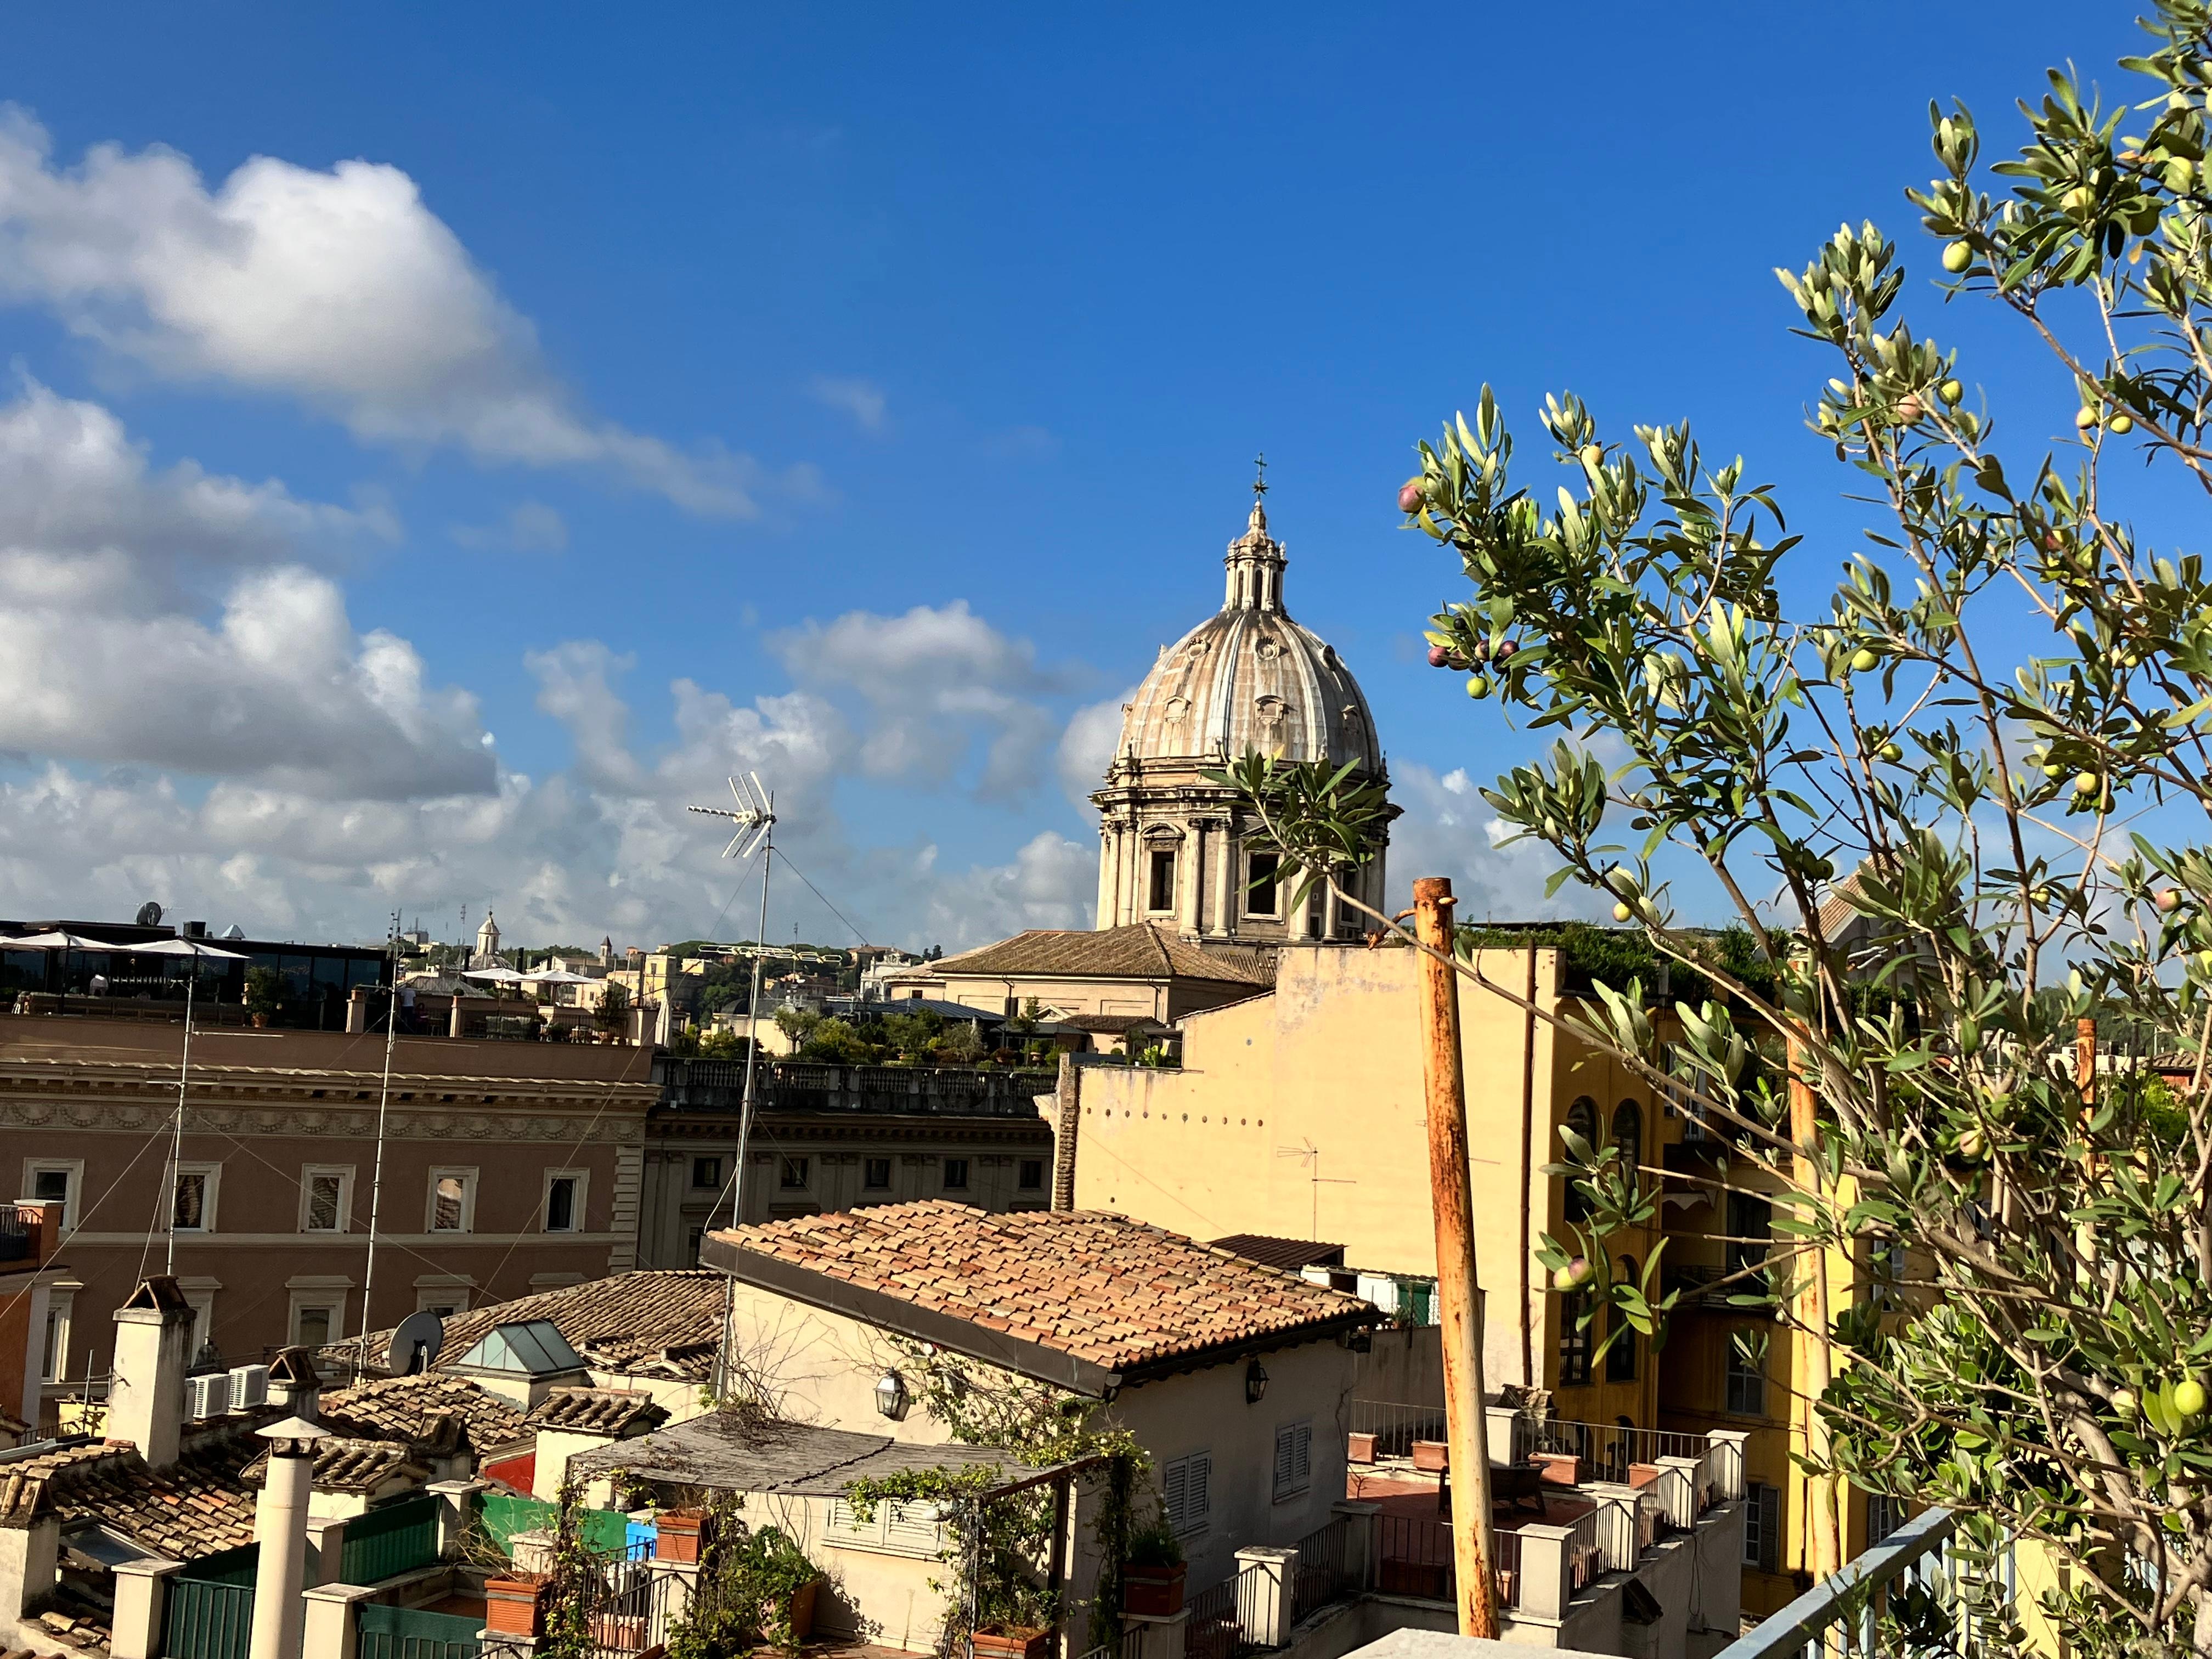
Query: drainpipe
{"type": "Point", "coordinates": [280, 1527]}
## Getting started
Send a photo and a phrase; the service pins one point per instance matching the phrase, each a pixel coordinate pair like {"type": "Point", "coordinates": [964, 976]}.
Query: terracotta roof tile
{"type": "Point", "coordinates": [598, 1411]}
{"type": "Point", "coordinates": [1141, 950]}
{"type": "Point", "coordinates": [660, 1323]}
{"type": "Point", "coordinates": [1099, 1286]}
{"type": "Point", "coordinates": [416, 1409]}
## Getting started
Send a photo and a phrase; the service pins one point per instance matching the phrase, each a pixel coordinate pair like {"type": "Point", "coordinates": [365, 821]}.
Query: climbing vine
{"type": "Point", "coordinates": [575, 1582]}
{"type": "Point", "coordinates": [750, 1579]}
{"type": "Point", "coordinates": [997, 1545]}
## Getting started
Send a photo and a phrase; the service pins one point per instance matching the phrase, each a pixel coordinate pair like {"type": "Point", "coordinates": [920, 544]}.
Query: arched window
{"type": "Point", "coordinates": [1628, 1142]}
{"type": "Point", "coordinates": [1581, 1118]}
{"type": "Point", "coordinates": [1620, 1358]}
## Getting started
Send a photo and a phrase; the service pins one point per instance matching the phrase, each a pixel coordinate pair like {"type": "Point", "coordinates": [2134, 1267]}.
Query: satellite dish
{"type": "Point", "coordinates": [415, 1344]}
{"type": "Point", "coordinates": [149, 915]}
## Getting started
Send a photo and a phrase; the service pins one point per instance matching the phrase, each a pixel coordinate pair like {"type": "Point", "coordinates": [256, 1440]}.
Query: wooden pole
{"type": "Point", "coordinates": [1827, 1551]}
{"type": "Point", "coordinates": [1460, 1310]}
{"type": "Point", "coordinates": [2085, 1061]}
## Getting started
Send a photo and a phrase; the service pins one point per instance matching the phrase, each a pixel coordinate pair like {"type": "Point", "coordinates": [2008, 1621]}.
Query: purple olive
{"type": "Point", "coordinates": [1505, 652]}
{"type": "Point", "coordinates": [1439, 656]}
{"type": "Point", "coordinates": [1409, 497]}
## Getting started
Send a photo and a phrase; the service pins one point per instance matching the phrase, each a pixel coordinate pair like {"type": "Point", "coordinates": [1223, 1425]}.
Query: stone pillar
{"type": "Point", "coordinates": [30, 1560]}
{"type": "Point", "coordinates": [1108, 849]}
{"type": "Point", "coordinates": [683, 1578]}
{"type": "Point", "coordinates": [458, 1504]}
{"type": "Point", "coordinates": [357, 1011]}
{"type": "Point", "coordinates": [532, 1551]}
{"type": "Point", "coordinates": [1157, 1638]}
{"type": "Point", "coordinates": [1676, 1489]}
{"type": "Point", "coordinates": [1360, 1537]}
{"type": "Point", "coordinates": [453, 1026]}
{"type": "Point", "coordinates": [1546, 1582]}
{"type": "Point", "coordinates": [1225, 877]}
{"type": "Point", "coordinates": [280, 1527]}
{"type": "Point", "coordinates": [1508, 1435]}
{"type": "Point", "coordinates": [330, 1627]}
{"type": "Point", "coordinates": [141, 1605]}
{"type": "Point", "coordinates": [327, 1534]}
{"type": "Point", "coordinates": [1271, 1621]}
{"type": "Point", "coordinates": [1728, 1460]}
{"type": "Point", "coordinates": [1190, 877]}
{"type": "Point", "coordinates": [153, 1347]}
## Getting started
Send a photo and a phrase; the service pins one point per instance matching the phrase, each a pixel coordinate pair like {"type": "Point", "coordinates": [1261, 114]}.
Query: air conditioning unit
{"type": "Point", "coordinates": [207, 1396]}
{"type": "Point", "coordinates": [249, 1387]}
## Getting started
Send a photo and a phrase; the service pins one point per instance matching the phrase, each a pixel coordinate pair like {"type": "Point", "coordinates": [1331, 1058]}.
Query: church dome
{"type": "Point", "coordinates": [1248, 677]}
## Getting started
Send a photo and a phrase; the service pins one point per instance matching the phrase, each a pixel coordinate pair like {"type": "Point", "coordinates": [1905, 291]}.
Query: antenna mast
{"type": "Point", "coordinates": [376, 1178]}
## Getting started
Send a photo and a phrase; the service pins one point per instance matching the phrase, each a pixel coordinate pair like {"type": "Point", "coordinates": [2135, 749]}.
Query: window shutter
{"type": "Point", "coordinates": [1770, 1527]}
{"type": "Point", "coordinates": [1285, 1460]}
{"type": "Point", "coordinates": [1175, 1484]}
{"type": "Point", "coordinates": [911, 1526]}
{"type": "Point", "coordinates": [1304, 1470]}
{"type": "Point", "coordinates": [1201, 1475]}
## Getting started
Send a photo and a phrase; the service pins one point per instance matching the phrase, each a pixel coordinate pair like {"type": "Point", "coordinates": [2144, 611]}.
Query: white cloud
{"type": "Point", "coordinates": [1448, 829]}
{"type": "Point", "coordinates": [1086, 747]}
{"type": "Point", "coordinates": [531, 527]}
{"type": "Point", "coordinates": [1053, 882]}
{"type": "Point", "coordinates": [935, 681]}
{"type": "Point", "coordinates": [863, 400]}
{"type": "Point", "coordinates": [339, 288]}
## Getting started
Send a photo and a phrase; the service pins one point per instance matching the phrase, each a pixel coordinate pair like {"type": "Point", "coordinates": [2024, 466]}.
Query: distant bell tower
{"type": "Point", "coordinates": [487, 941]}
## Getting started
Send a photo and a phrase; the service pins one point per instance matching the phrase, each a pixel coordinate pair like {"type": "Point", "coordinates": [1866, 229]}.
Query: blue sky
{"type": "Point", "coordinates": [708, 345]}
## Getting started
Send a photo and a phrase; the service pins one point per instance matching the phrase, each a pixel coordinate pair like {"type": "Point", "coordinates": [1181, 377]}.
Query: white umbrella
{"type": "Point", "coordinates": [184, 947]}
{"type": "Point", "coordinates": [494, 975]}
{"type": "Point", "coordinates": [560, 976]}
{"type": "Point", "coordinates": [59, 941]}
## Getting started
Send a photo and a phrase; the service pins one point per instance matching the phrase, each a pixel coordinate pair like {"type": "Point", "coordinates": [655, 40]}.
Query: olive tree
{"type": "Point", "coordinates": [1960, 807]}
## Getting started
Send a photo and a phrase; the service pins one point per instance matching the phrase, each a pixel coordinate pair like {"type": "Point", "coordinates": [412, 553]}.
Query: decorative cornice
{"type": "Point", "coordinates": [402, 1124]}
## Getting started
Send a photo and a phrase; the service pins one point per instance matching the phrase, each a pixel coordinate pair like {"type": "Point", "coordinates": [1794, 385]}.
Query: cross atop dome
{"type": "Point", "coordinates": [1259, 519]}
{"type": "Point", "coordinates": [1255, 558]}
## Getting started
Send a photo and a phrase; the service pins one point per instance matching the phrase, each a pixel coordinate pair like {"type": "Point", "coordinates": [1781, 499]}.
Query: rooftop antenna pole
{"type": "Point", "coordinates": [376, 1176]}
{"type": "Point", "coordinates": [177, 1137]}
{"type": "Point", "coordinates": [755, 817]}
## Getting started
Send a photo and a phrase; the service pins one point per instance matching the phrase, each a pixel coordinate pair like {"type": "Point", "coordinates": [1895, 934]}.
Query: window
{"type": "Point", "coordinates": [1293, 1459]}
{"type": "Point", "coordinates": [200, 1296]}
{"type": "Point", "coordinates": [312, 1324]}
{"type": "Point", "coordinates": [1316, 916]}
{"type": "Point", "coordinates": [877, 1174]}
{"type": "Point", "coordinates": [53, 1364]}
{"type": "Point", "coordinates": [1163, 883]}
{"type": "Point", "coordinates": [956, 1175]}
{"type": "Point", "coordinates": [1032, 1173]}
{"type": "Point", "coordinates": [564, 1200]}
{"type": "Point", "coordinates": [325, 1196]}
{"type": "Point", "coordinates": [1260, 893]}
{"type": "Point", "coordinates": [191, 1198]}
{"type": "Point", "coordinates": [1885, 1514]}
{"type": "Point", "coordinates": [1750, 1224]}
{"type": "Point", "coordinates": [452, 1201]}
{"type": "Point", "coordinates": [1628, 1142]}
{"type": "Point", "coordinates": [692, 1240]}
{"type": "Point", "coordinates": [1620, 1358]}
{"type": "Point", "coordinates": [1747, 1373]}
{"type": "Point", "coordinates": [707, 1174]}
{"type": "Point", "coordinates": [1762, 1527]}
{"type": "Point", "coordinates": [1581, 1121]}
{"type": "Point", "coordinates": [55, 1182]}
{"type": "Point", "coordinates": [894, 1529]}
{"type": "Point", "coordinates": [1184, 1485]}
{"type": "Point", "coordinates": [795, 1173]}
{"type": "Point", "coordinates": [1574, 1342]}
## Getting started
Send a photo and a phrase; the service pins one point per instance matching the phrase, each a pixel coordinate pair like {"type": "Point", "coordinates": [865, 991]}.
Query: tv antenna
{"type": "Point", "coordinates": [755, 818]}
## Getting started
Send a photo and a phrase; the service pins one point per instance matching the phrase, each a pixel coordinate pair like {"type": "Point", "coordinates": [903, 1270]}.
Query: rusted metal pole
{"type": "Point", "coordinates": [1826, 1555]}
{"type": "Point", "coordinates": [1459, 1298]}
{"type": "Point", "coordinates": [2085, 1060]}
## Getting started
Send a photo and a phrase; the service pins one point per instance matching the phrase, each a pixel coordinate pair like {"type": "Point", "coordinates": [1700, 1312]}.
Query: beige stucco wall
{"type": "Point", "coordinates": [1300, 1115]}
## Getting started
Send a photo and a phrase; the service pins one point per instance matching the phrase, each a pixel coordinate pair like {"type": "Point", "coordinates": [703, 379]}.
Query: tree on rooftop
{"type": "Point", "coordinates": [1997, 723]}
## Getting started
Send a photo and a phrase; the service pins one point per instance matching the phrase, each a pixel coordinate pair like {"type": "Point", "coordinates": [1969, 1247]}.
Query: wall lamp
{"type": "Point", "coordinates": [1256, 1383]}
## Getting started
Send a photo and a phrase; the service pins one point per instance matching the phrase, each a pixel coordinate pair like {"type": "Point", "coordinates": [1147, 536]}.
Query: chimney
{"type": "Point", "coordinates": [195, 930]}
{"type": "Point", "coordinates": [153, 1347]}
{"type": "Point", "coordinates": [295, 1386]}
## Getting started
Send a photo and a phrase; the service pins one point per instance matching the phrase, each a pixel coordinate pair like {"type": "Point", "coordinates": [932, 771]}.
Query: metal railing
{"type": "Point", "coordinates": [1223, 1622]}
{"type": "Point", "coordinates": [19, 1233]}
{"type": "Point", "coordinates": [1843, 1614]}
{"type": "Point", "coordinates": [1326, 1570]}
{"type": "Point", "coordinates": [1607, 1449]}
{"type": "Point", "coordinates": [1507, 1568]}
{"type": "Point", "coordinates": [1395, 1426]}
{"type": "Point", "coordinates": [1586, 1561]}
{"type": "Point", "coordinates": [1413, 1557]}
{"type": "Point", "coordinates": [1131, 1645]}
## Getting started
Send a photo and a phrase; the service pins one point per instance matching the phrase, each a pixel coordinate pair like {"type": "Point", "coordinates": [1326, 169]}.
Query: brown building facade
{"type": "Point", "coordinates": [507, 1167]}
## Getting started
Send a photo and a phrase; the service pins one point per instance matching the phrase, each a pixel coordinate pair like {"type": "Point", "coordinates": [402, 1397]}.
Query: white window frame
{"type": "Point", "coordinates": [895, 1528]}
{"type": "Point", "coordinates": [803, 1162]}
{"type": "Point", "coordinates": [61, 1310]}
{"type": "Point", "coordinates": [210, 1214]}
{"type": "Point", "coordinates": [1293, 1469]}
{"type": "Point", "coordinates": [309, 1174]}
{"type": "Point", "coordinates": [1741, 1374]}
{"type": "Point", "coordinates": [305, 1301]}
{"type": "Point", "coordinates": [72, 1168]}
{"type": "Point", "coordinates": [1276, 888]}
{"type": "Point", "coordinates": [1191, 1476]}
{"type": "Point", "coordinates": [576, 1205]}
{"type": "Point", "coordinates": [467, 1174]}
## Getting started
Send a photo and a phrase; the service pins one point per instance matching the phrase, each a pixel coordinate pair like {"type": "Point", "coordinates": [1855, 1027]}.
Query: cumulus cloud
{"type": "Point", "coordinates": [1052, 882]}
{"type": "Point", "coordinates": [936, 681]}
{"type": "Point", "coordinates": [863, 400]}
{"type": "Point", "coordinates": [1448, 829]}
{"type": "Point", "coordinates": [531, 527]}
{"type": "Point", "coordinates": [340, 287]}
{"type": "Point", "coordinates": [1086, 747]}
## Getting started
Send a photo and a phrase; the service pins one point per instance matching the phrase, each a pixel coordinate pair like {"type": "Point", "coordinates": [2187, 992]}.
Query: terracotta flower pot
{"type": "Point", "coordinates": [1642, 1474]}
{"type": "Point", "coordinates": [1558, 1468]}
{"type": "Point", "coordinates": [676, 1535]}
{"type": "Point", "coordinates": [515, 1606]}
{"type": "Point", "coordinates": [1433, 1457]}
{"type": "Point", "coordinates": [1359, 1448]}
{"type": "Point", "coordinates": [1010, 1642]}
{"type": "Point", "coordinates": [802, 1611]}
{"type": "Point", "coordinates": [1153, 1592]}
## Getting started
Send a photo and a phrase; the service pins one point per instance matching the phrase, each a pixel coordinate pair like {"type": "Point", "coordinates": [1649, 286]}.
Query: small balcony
{"type": "Point", "coordinates": [28, 1235]}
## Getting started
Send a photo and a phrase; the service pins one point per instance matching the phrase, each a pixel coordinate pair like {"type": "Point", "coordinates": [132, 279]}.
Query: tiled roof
{"type": "Point", "coordinates": [342, 1465]}
{"type": "Point", "coordinates": [1288, 1254]}
{"type": "Point", "coordinates": [661, 1323]}
{"type": "Point", "coordinates": [1142, 951]}
{"type": "Point", "coordinates": [598, 1411]}
{"type": "Point", "coordinates": [200, 1505]}
{"type": "Point", "coordinates": [414, 1408]}
{"type": "Point", "coordinates": [1103, 1288]}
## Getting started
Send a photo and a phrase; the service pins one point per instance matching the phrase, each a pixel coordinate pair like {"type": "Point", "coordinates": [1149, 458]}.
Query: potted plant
{"type": "Point", "coordinates": [1152, 1575]}
{"type": "Point", "coordinates": [263, 994]}
{"type": "Point", "coordinates": [1431, 1456]}
{"type": "Point", "coordinates": [1001, 1640]}
{"type": "Point", "coordinates": [515, 1603]}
